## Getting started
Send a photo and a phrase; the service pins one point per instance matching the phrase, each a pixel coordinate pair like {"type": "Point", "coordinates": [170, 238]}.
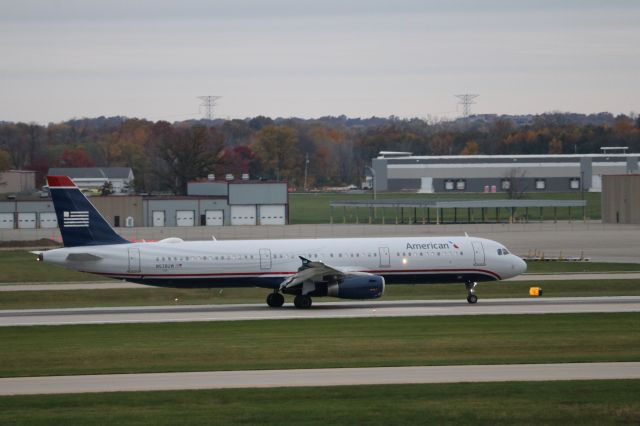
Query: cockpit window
{"type": "Point", "coordinates": [499, 252]}
{"type": "Point", "coordinates": [503, 252]}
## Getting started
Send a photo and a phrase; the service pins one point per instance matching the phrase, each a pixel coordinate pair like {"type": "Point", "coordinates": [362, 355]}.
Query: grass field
{"type": "Point", "coordinates": [313, 343]}
{"type": "Point", "coordinates": [602, 402]}
{"type": "Point", "coordinates": [541, 267]}
{"type": "Point", "coordinates": [151, 296]}
{"type": "Point", "coordinates": [315, 208]}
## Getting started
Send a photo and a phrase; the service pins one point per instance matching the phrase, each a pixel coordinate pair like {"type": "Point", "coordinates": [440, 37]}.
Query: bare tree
{"type": "Point", "coordinates": [185, 154]}
{"type": "Point", "coordinates": [514, 184]}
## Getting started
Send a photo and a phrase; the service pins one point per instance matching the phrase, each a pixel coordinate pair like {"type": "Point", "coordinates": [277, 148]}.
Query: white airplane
{"type": "Point", "coordinates": [347, 268]}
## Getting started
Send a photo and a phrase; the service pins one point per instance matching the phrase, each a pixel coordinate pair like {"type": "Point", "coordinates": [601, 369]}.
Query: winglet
{"type": "Point", "coordinates": [305, 261]}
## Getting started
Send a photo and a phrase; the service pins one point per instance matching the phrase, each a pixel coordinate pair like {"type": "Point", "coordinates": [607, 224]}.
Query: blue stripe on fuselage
{"type": "Point", "coordinates": [275, 281]}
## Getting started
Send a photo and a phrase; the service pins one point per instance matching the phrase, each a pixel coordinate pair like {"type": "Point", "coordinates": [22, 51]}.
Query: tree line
{"type": "Point", "coordinates": [165, 156]}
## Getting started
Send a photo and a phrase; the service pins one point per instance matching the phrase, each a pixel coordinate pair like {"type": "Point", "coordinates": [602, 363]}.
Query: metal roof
{"type": "Point", "coordinates": [519, 156]}
{"type": "Point", "coordinates": [465, 204]}
{"type": "Point", "coordinates": [91, 172]}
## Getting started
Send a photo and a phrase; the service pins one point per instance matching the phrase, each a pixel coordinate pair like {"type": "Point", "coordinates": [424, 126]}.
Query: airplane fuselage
{"type": "Point", "coordinates": [266, 263]}
{"type": "Point", "coordinates": [346, 268]}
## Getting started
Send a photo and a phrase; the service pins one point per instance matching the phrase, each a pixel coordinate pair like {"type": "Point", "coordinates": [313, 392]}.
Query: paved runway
{"type": "Point", "coordinates": [104, 285]}
{"type": "Point", "coordinates": [317, 377]}
{"type": "Point", "coordinates": [319, 310]}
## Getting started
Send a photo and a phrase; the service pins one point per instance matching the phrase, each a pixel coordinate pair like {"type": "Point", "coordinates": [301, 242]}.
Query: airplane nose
{"type": "Point", "coordinates": [521, 266]}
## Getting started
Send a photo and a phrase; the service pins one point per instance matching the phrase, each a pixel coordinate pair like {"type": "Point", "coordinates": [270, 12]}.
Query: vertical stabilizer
{"type": "Point", "coordinates": [79, 222]}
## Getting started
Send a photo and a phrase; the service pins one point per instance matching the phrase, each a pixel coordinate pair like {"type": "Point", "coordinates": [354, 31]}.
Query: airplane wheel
{"type": "Point", "coordinates": [472, 298]}
{"type": "Point", "coordinates": [302, 302]}
{"type": "Point", "coordinates": [275, 300]}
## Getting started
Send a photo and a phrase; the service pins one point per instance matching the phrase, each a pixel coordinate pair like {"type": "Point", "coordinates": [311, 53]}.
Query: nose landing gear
{"type": "Point", "coordinates": [471, 292]}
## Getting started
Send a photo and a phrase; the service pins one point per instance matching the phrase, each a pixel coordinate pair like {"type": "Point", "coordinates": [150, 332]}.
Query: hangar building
{"type": "Point", "coordinates": [621, 199]}
{"type": "Point", "coordinates": [209, 203]}
{"type": "Point", "coordinates": [498, 173]}
{"type": "Point", "coordinates": [17, 181]}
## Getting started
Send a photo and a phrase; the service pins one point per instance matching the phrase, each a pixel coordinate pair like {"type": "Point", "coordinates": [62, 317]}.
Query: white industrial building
{"type": "Point", "coordinates": [498, 173]}
{"type": "Point", "coordinates": [250, 202]}
{"type": "Point", "coordinates": [209, 203]}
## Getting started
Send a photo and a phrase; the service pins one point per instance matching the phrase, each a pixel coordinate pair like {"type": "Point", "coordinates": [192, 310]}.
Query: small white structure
{"type": "Point", "coordinates": [93, 178]}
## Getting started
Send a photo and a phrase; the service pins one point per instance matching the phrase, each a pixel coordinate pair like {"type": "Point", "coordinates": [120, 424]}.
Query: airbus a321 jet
{"type": "Point", "coordinates": [347, 268]}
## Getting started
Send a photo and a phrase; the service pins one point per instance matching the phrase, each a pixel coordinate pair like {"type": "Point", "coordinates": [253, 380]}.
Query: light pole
{"type": "Point", "coordinates": [584, 210]}
{"type": "Point", "coordinates": [306, 166]}
{"type": "Point", "coordinates": [373, 185]}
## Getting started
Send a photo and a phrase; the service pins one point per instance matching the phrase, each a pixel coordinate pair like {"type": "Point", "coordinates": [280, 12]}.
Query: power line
{"type": "Point", "coordinates": [466, 101]}
{"type": "Point", "coordinates": [208, 102]}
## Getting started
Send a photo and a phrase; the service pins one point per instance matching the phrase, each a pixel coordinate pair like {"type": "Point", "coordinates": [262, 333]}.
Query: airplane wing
{"type": "Point", "coordinates": [311, 271]}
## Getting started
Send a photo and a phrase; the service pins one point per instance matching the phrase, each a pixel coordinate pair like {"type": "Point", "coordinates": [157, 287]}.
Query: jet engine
{"type": "Point", "coordinates": [365, 286]}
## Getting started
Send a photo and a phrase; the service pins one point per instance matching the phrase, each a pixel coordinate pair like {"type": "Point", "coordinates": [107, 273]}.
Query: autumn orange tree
{"type": "Point", "coordinates": [164, 156]}
{"type": "Point", "coordinates": [276, 147]}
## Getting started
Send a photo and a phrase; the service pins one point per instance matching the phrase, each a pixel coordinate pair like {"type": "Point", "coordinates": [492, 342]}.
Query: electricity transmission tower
{"type": "Point", "coordinates": [466, 101]}
{"type": "Point", "coordinates": [208, 102]}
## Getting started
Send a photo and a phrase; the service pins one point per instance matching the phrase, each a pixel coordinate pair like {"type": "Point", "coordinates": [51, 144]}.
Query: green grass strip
{"type": "Point", "coordinates": [552, 267]}
{"type": "Point", "coordinates": [318, 343]}
{"type": "Point", "coordinates": [606, 402]}
{"type": "Point", "coordinates": [316, 208]}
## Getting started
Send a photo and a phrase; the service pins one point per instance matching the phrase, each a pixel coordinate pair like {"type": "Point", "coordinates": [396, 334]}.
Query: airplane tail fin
{"type": "Point", "coordinates": [79, 222]}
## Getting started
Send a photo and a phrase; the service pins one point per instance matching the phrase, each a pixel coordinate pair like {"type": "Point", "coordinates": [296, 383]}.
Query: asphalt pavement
{"type": "Point", "coordinates": [317, 377]}
{"type": "Point", "coordinates": [406, 308]}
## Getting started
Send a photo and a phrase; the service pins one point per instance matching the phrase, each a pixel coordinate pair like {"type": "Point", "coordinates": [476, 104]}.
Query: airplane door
{"type": "Point", "coordinates": [265, 259]}
{"type": "Point", "coordinates": [478, 253]}
{"type": "Point", "coordinates": [384, 257]}
{"type": "Point", "coordinates": [134, 260]}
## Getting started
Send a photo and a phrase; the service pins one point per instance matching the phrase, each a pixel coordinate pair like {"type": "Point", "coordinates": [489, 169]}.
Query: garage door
{"type": "Point", "coordinates": [243, 215]}
{"type": "Point", "coordinates": [48, 220]}
{"type": "Point", "coordinates": [26, 220]}
{"type": "Point", "coordinates": [6, 220]}
{"type": "Point", "coordinates": [185, 218]}
{"type": "Point", "coordinates": [214, 217]}
{"type": "Point", "coordinates": [158, 218]}
{"type": "Point", "coordinates": [272, 215]}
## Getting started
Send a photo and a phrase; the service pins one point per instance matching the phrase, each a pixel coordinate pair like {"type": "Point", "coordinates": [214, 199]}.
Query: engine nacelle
{"type": "Point", "coordinates": [365, 286]}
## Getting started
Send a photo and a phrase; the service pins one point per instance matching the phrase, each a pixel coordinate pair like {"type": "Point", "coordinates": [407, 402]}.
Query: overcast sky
{"type": "Point", "coordinates": [282, 58]}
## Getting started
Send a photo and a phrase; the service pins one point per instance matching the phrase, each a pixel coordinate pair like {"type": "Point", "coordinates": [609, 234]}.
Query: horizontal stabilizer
{"type": "Point", "coordinates": [83, 257]}
{"type": "Point", "coordinates": [172, 240]}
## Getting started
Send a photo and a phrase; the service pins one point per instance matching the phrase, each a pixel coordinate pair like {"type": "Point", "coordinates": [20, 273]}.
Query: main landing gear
{"type": "Point", "coordinates": [471, 292]}
{"type": "Point", "coordinates": [302, 301]}
{"type": "Point", "coordinates": [275, 300]}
